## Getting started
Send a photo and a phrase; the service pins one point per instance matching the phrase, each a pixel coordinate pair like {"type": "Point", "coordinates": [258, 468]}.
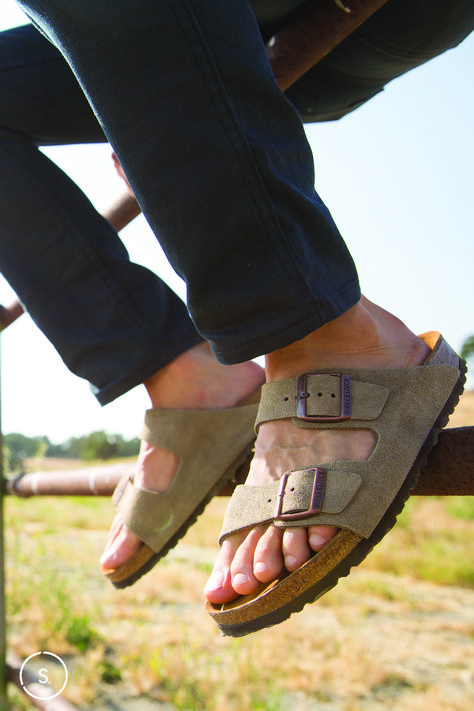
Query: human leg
{"type": "Point", "coordinates": [114, 323]}
{"type": "Point", "coordinates": [367, 337]}
{"type": "Point", "coordinates": [253, 201]}
{"type": "Point", "coordinates": [197, 437]}
{"type": "Point", "coordinates": [380, 340]}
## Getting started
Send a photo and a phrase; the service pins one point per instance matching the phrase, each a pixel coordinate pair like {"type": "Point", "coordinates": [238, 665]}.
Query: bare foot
{"type": "Point", "coordinates": [194, 380]}
{"type": "Point", "coordinates": [364, 337]}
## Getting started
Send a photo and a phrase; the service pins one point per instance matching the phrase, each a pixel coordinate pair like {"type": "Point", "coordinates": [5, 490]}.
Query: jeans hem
{"type": "Point", "coordinates": [332, 309]}
{"type": "Point", "coordinates": [112, 392]}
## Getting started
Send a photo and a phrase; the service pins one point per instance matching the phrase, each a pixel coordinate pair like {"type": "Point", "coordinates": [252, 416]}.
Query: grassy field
{"type": "Point", "coordinates": [397, 635]}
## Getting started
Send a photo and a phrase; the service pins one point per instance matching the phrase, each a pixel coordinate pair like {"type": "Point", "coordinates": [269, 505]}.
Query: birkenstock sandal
{"type": "Point", "coordinates": [406, 408]}
{"type": "Point", "coordinates": [212, 446]}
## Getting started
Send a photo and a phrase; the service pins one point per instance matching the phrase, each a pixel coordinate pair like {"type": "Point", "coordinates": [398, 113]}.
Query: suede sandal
{"type": "Point", "coordinates": [405, 408]}
{"type": "Point", "coordinates": [212, 446]}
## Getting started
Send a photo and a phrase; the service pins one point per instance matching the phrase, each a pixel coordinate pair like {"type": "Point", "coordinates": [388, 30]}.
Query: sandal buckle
{"type": "Point", "coordinates": [317, 496]}
{"type": "Point", "coordinates": [345, 400]}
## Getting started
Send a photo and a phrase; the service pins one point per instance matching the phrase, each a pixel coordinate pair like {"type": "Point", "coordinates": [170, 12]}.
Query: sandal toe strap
{"type": "Point", "coordinates": [148, 514]}
{"type": "Point", "coordinates": [299, 498]}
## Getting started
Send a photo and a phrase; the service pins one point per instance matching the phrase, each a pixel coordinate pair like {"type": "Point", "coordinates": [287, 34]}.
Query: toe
{"type": "Point", "coordinates": [120, 547]}
{"type": "Point", "coordinates": [219, 586]}
{"type": "Point", "coordinates": [114, 530]}
{"type": "Point", "coordinates": [296, 550]}
{"type": "Point", "coordinates": [318, 536]}
{"type": "Point", "coordinates": [244, 581]}
{"type": "Point", "coordinates": [268, 558]}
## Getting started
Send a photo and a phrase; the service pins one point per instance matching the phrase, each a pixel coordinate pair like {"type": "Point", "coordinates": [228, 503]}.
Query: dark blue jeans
{"type": "Point", "coordinates": [113, 322]}
{"type": "Point", "coordinates": [218, 160]}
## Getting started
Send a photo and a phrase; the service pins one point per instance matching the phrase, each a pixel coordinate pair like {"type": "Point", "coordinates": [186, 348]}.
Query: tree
{"type": "Point", "coordinates": [18, 447]}
{"type": "Point", "coordinates": [99, 445]}
{"type": "Point", "coordinates": [467, 349]}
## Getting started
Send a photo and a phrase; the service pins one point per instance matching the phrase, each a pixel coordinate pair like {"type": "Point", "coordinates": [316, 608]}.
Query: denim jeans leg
{"type": "Point", "coordinates": [113, 322]}
{"type": "Point", "coordinates": [218, 159]}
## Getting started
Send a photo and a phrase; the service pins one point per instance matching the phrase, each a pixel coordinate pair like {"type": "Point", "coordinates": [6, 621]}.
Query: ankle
{"type": "Point", "coordinates": [196, 380]}
{"type": "Point", "coordinates": [366, 336]}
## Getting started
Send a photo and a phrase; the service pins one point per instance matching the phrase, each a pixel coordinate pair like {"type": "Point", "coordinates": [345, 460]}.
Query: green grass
{"type": "Point", "coordinates": [461, 507]}
{"type": "Point", "coordinates": [432, 541]}
{"type": "Point", "coordinates": [155, 639]}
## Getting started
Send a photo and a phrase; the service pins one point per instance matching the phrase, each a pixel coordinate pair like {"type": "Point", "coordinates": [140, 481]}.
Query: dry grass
{"type": "Point", "coordinates": [463, 416]}
{"type": "Point", "coordinates": [397, 634]}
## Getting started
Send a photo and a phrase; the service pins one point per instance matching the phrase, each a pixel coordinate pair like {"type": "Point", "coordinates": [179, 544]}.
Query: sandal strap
{"type": "Point", "coordinates": [321, 397]}
{"type": "Point", "coordinates": [297, 496]}
{"type": "Point", "coordinates": [405, 408]}
{"type": "Point", "coordinates": [208, 444]}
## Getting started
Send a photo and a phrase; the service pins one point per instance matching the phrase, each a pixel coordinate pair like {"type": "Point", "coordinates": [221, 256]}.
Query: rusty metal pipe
{"type": "Point", "coordinates": [121, 212]}
{"type": "Point", "coordinates": [312, 32]}
{"type": "Point", "coordinates": [449, 471]}
{"type": "Point", "coordinates": [88, 481]}
{"type": "Point", "coordinates": [9, 314]}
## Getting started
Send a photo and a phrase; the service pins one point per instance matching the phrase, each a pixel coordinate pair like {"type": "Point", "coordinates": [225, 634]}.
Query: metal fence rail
{"type": "Point", "coordinates": [449, 471]}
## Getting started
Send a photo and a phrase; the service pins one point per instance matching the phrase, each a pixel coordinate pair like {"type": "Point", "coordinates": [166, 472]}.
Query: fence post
{"type": "Point", "coordinates": [3, 650]}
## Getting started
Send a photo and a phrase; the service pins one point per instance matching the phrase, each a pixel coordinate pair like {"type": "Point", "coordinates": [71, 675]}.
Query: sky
{"type": "Point", "coordinates": [397, 175]}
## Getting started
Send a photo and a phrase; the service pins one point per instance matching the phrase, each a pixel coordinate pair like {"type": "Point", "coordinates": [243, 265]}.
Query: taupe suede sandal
{"type": "Point", "coordinates": [406, 408]}
{"type": "Point", "coordinates": [212, 446]}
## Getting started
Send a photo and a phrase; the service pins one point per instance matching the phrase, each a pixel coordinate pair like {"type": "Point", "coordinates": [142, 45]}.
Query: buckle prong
{"type": "Point", "coordinates": [317, 496]}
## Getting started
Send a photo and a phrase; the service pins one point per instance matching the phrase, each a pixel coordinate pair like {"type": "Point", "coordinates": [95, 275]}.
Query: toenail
{"type": "Point", "coordinates": [260, 567]}
{"type": "Point", "coordinates": [240, 579]}
{"type": "Point", "coordinates": [316, 541]}
{"type": "Point", "coordinates": [216, 580]}
{"type": "Point", "coordinates": [290, 560]}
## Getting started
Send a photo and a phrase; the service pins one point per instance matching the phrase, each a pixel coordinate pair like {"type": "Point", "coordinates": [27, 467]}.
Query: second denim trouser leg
{"type": "Point", "coordinates": [218, 160]}
{"type": "Point", "coordinates": [401, 35]}
{"type": "Point", "coordinates": [112, 321]}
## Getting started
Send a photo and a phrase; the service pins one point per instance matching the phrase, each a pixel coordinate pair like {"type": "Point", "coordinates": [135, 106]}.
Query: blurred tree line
{"type": "Point", "coordinates": [467, 350]}
{"type": "Point", "coordinates": [97, 445]}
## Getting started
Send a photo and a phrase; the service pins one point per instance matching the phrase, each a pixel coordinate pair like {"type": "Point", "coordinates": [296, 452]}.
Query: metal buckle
{"type": "Point", "coordinates": [317, 496]}
{"type": "Point", "coordinates": [302, 395]}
